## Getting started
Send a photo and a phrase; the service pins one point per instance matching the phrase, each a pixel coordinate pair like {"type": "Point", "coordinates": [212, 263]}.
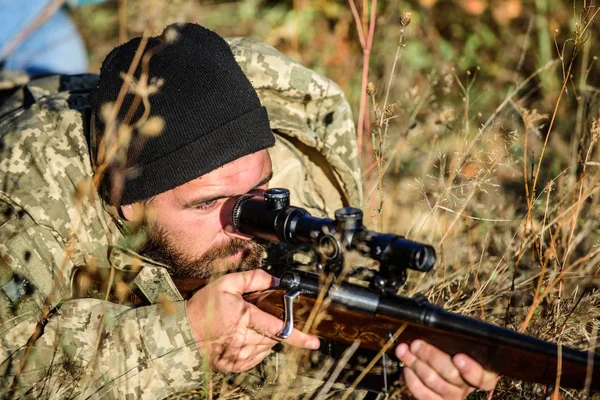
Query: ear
{"type": "Point", "coordinates": [131, 212]}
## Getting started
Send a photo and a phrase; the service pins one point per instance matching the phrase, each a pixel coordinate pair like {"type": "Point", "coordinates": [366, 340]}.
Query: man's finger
{"type": "Point", "coordinates": [247, 281]}
{"type": "Point", "coordinates": [439, 361]}
{"type": "Point", "coordinates": [301, 339]}
{"type": "Point", "coordinates": [434, 381]}
{"type": "Point", "coordinates": [270, 326]}
{"type": "Point", "coordinates": [418, 388]}
{"type": "Point", "coordinates": [474, 373]}
{"type": "Point", "coordinates": [404, 354]}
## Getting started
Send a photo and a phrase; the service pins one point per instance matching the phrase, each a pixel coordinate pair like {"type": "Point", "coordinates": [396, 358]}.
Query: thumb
{"type": "Point", "coordinates": [247, 281]}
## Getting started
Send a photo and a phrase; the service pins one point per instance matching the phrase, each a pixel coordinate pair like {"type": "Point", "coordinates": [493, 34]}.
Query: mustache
{"type": "Point", "coordinates": [230, 248]}
{"type": "Point", "coordinates": [160, 247]}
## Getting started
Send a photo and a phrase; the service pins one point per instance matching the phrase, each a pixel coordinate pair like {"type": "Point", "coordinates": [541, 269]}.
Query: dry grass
{"type": "Point", "coordinates": [489, 151]}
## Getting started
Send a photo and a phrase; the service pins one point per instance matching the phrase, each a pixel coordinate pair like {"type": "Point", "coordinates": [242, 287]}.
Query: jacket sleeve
{"type": "Point", "coordinates": [87, 347]}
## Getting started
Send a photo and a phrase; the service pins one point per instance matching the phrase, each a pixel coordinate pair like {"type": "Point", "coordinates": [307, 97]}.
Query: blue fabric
{"type": "Point", "coordinates": [83, 2]}
{"type": "Point", "coordinates": [55, 47]}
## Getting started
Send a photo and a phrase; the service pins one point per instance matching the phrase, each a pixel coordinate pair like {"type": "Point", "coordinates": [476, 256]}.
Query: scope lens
{"type": "Point", "coordinates": [420, 257]}
{"type": "Point", "coordinates": [424, 258]}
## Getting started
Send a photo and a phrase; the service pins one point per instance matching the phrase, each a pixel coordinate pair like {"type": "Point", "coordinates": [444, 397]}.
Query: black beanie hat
{"type": "Point", "coordinates": [211, 113]}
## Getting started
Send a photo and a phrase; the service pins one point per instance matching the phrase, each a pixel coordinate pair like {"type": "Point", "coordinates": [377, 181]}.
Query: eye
{"type": "Point", "coordinates": [206, 205]}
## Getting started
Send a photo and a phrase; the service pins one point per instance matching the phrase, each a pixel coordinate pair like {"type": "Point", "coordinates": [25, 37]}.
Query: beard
{"type": "Point", "coordinates": [160, 247]}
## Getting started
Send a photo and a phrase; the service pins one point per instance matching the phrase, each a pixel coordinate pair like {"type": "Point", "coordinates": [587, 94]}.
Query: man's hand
{"type": "Point", "coordinates": [433, 375]}
{"type": "Point", "coordinates": [233, 334]}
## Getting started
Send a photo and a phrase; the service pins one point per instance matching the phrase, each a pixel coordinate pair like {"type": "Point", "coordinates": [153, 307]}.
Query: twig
{"type": "Point", "coordinates": [538, 300]}
{"type": "Point", "coordinates": [515, 91]}
{"type": "Point", "coordinates": [348, 353]}
{"type": "Point", "coordinates": [590, 362]}
{"type": "Point", "coordinates": [556, 393]}
{"type": "Point", "coordinates": [470, 216]}
{"type": "Point", "coordinates": [122, 21]}
{"type": "Point", "coordinates": [587, 286]}
{"type": "Point", "coordinates": [375, 359]}
{"type": "Point", "coordinates": [366, 44]}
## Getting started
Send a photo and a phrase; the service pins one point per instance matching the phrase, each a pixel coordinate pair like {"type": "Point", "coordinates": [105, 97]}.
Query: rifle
{"type": "Point", "coordinates": [376, 315]}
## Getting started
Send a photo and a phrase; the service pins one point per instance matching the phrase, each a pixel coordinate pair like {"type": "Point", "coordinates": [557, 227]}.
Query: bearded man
{"type": "Point", "coordinates": [169, 146]}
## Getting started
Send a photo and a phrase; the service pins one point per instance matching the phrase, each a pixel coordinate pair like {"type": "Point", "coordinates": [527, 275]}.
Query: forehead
{"type": "Point", "coordinates": [235, 176]}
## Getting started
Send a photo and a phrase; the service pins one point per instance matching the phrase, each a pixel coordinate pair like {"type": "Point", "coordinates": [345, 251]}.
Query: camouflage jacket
{"type": "Point", "coordinates": [52, 223]}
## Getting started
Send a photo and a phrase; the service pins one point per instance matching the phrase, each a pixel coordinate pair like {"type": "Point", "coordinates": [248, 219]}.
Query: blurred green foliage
{"type": "Point", "coordinates": [459, 62]}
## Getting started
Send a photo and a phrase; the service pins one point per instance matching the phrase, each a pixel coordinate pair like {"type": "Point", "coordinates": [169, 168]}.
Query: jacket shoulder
{"type": "Point", "coordinates": [306, 108]}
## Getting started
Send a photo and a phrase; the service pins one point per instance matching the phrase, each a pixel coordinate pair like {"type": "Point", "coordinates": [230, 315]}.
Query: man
{"type": "Point", "coordinates": [169, 154]}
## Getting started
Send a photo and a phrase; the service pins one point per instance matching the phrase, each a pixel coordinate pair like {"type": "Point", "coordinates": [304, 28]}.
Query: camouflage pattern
{"type": "Point", "coordinates": [53, 224]}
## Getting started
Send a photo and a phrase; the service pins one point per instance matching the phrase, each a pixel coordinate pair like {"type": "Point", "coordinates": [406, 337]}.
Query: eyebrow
{"type": "Point", "coordinates": [196, 202]}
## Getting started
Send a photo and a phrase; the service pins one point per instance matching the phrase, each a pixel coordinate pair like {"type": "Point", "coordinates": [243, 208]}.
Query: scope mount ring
{"type": "Point", "coordinates": [333, 242]}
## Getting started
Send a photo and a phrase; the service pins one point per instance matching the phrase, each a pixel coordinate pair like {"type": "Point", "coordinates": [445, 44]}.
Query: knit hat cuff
{"type": "Point", "coordinates": [199, 157]}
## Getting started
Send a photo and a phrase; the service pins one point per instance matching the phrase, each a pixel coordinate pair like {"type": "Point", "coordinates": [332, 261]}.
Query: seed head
{"type": "Point", "coordinates": [168, 307]}
{"type": "Point", "coordinates": [405, 19]}
{"type": "Point", "coordinates": [371, 89]}
{"type": "Point", "coordinates": [124, 135]}
{"type": "Point", "coordinates": [170, 35]}
{"type": "Point", "coordinates": [85, 282]}
{"type": "Point", "coordinates": [153, 126]}
{"type": "Point", "coordinates": [122, 290]}
{"type": "Point", "coordinates": [595, 130]}
{"type": "Point", "coordinates": [389, 111]}
{"type": "Point", "coordinates": [91, 263]}
{"type": "Point", "coordinates": [84, 190]}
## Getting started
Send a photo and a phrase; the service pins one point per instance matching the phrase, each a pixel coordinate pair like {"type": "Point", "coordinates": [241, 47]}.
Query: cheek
{"type": "Point", "coordinates": [193, 234]}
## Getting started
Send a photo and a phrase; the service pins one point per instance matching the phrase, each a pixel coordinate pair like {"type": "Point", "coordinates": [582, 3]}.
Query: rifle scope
{"type": "Point", "coordinates": [272, 218]}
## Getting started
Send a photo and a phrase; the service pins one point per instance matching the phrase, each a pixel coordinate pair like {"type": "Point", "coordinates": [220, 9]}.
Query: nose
{"type": "Point", "coordinates": [230, 231]}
